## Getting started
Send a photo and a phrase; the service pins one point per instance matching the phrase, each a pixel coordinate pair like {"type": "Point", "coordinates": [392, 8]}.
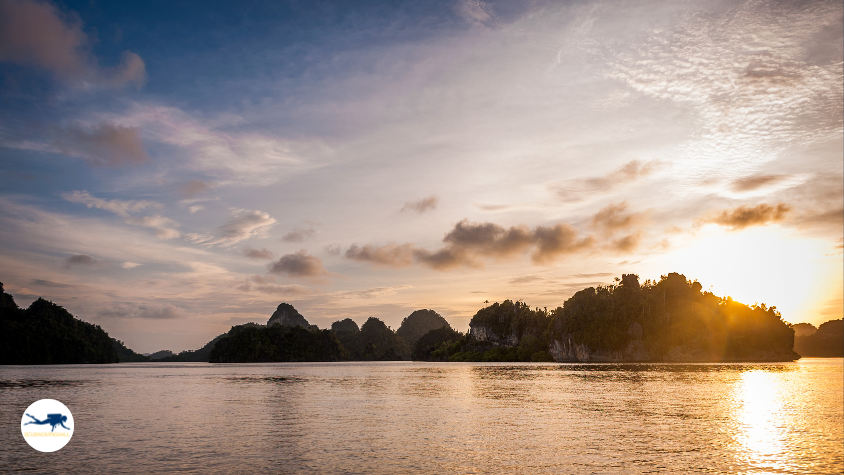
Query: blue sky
{"type": "Point", "coordinates": [170, 169]}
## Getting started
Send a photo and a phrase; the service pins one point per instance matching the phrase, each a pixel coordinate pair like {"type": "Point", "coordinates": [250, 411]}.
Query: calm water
{"type": "Point", "coordinates": [434, 418]}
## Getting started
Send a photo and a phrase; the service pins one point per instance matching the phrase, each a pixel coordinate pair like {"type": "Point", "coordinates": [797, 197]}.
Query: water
{"type": "Point", "coordinates": [404, 417]}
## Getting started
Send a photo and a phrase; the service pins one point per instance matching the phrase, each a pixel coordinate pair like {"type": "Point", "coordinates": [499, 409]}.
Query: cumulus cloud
{"type": "Point", "coordinates": [580, 189]}
{"type": "Point", "coordinates": [747, 216]}
{"type": "Point", "coordinates": [243, 225]}
{"type": "Point", "coordinates": [615, 216]}
{"type": "Point", "coordinates": [299, 264]}
{"type": "Point", "coordinates": [468, 243]}
{"type": "Point", "coordinates": [34, 33]}
{"type": "Point", "coordinates": [262, 253]}
{"type": "Point", "coordinates": [392, 255]}
{"type": "Point", "coordinates": [627, 243]}
{"type": "Point", "coordinates": [103, 145]}
{"type": "Point", "coordinates": [421, 206]}
{"type": "Point", "coordinates": [299, 235]}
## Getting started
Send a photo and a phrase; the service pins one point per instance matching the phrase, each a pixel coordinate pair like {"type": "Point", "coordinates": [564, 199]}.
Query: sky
{"type": "Point", "coordinates": [171, 169]}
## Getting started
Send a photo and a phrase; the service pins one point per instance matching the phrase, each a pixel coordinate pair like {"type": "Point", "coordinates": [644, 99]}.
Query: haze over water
{"type": "Point", "coordinates": [402, 417]}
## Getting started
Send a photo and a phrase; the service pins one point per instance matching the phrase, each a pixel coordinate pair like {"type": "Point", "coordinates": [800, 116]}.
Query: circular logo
{"type": "Point", "coordinates": [47, 425]}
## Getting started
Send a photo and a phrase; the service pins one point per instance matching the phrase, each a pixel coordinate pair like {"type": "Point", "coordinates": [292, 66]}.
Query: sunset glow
{"type": "Point", "coordinates": [169, 171]}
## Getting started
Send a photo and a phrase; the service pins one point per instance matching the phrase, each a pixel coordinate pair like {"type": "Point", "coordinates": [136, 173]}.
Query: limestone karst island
{"type": "Point", "coordinates": [671, 320]}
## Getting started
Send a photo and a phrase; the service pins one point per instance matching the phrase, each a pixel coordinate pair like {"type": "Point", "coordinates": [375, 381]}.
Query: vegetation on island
{"type": "Point", "coordinates": [671, 319]}
{"type": "Point", "coordinates": [825, 341]}
{"type": "Point", "coordinates": [46, 333]}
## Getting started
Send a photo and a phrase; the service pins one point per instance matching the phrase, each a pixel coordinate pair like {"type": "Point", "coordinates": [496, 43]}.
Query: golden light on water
{"type": "Point", "coordinates": [760, 420]}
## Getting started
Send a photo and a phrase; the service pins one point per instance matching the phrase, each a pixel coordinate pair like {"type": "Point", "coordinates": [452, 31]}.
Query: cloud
{"type": "Point", "coordinates": [755, 182]}
{"type": "Point", "coordinates": [746, 216]}
{"type": "Point", "coordinates": [476, 11]}
{"type": "Point", "coordinates": [129, 265]}
{"type": "Point", "coordinates": [299, 235]}
{"type": "Point", "coordinates": [165, 228]}
{"type": "Point", "coordinates": [743, 71]}
{"type": "Point", "coordinates": [526, 280]}
{"type": "Point", "coordinates": [47, 283]}
{"type": "Point", "coordinates": [194, 187]}
{"type": "Point", "coordinates": [614, 217]}
{"type": "Point", "coordinates": [34, 33]}
{"type": "Point", "coordinates": [299, 264]}
{"type": "Point", "coordinates": [580, 189]}
{"type": "Point", "coordinates": [392, 255]}
{"type": "Point", "coordinates": [627, 243]}
{"type": "Point", "coordinates": [421, 206]}
{"type": "Point", "coordinates": [263, 253]}
{"type": "Point", "coordinates": [148, 312]}
{"type": "Point", "coordinates": [81, 260]}
{"type": "Point", "coordinates": [118, 207]}
{"type": "Point", "coordinates": [103, 145]}
{"type": "Point", "coordinates": [468, 243]}
{"type": "Point", "coordinates": [244, 224]}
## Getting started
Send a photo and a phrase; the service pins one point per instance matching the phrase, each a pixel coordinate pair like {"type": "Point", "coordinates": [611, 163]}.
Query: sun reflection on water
{"type": "Point", "coordinates": [761, 421]}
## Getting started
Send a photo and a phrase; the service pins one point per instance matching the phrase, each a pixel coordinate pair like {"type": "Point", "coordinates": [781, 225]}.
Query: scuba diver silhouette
{"type": "Point", "coordinates": [52, 419]}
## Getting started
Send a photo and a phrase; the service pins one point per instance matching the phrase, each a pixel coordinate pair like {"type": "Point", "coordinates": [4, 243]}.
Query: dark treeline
{"type": "Point", "coordinates": [280, 340]}
{"type": "Point", "coordinates": [46, 333]}
{"type": "Point", "coordinates": [668, 320]}
{"type": "Point", "coordinates": [672, 319]}
{"type": "Point", "coordinates": [825, 341]}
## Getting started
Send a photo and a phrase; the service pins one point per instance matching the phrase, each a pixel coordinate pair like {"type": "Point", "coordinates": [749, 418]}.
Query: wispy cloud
{"type": "Point", "coordinates": [119, 207]}
{"type": "Point", "coordinates": [243, 225]}
{"type": "Point", "coordinates": [165, 228]}
{"type": "Point", "coordinates": [143, 311]}
{"type": "Point", "coordinates": [580, 189]}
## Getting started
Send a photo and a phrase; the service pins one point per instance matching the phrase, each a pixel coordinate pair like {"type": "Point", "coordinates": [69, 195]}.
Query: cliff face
{"type": "Point", "coordinates": [287, 316]}
{"type": "Point", "coordinates": [566, 349]}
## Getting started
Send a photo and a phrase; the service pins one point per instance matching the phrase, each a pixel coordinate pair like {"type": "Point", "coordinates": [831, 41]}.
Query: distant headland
{"type": "Point", "coordinates": [670, 320]}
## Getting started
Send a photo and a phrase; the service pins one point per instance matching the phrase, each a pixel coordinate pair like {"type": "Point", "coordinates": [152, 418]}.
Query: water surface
{"type": "Point", "coordinates": [402, 417]}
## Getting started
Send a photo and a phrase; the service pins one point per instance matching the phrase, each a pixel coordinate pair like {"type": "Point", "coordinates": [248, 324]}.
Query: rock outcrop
{"type": "Point", "coordinates": [287, 316]}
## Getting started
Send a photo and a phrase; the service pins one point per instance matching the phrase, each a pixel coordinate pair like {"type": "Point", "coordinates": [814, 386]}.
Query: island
{"type": "Point", "coordinates": [669, 320]}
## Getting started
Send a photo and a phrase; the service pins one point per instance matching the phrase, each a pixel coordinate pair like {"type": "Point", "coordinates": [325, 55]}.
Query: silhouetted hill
{"type": "Point", "coordinates": [46, 333]}
{"type": "Point", "coordinates": [160, 354]}
{"type": "Point", "coordinates": [827, 341]}
{"type": "Point", "coordinates": [201, 355]}
{"type": "Point", "coordinates": [253, 344]}
{"type": "Point", "coordinates": [125, 355]}
{"type": "Point", "coordinates": [379, 342]}
{"type": "Point", "coordinates": [419, 323]}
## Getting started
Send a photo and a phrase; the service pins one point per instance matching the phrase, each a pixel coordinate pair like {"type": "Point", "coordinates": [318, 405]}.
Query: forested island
{"type": "Point", "coordinates": [670, 320]}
